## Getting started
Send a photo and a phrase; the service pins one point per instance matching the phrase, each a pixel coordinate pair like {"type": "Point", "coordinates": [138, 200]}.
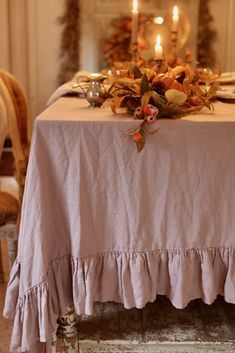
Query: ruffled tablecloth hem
{"type": "Point", "coordinates": [132, 278]}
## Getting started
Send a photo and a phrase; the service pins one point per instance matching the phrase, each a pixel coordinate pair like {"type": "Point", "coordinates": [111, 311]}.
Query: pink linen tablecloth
{"type": "Point", "coordinates": [101, 222]}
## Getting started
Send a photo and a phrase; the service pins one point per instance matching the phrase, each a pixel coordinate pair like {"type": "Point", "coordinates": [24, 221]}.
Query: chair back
{"type": "Point", "coordinates": [3, 123]}
{"type": "Point", "coordinates": [17, 121]}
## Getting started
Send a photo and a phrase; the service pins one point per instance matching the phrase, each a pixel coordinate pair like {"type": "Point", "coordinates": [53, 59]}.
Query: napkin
{"type": "Point", "coordinates": [67, 88]}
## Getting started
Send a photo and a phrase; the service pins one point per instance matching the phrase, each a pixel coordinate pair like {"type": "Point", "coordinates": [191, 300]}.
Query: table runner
{"type": "Point", "coordinates": [101, 222]}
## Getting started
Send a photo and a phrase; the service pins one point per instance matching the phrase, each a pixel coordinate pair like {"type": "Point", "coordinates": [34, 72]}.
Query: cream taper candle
{"type": "Point", "coordinates": [135, 21]}
{"type": "Point", "coordinates": [175, 19]}
{"type": "Point", "coordinates": [158, 49]}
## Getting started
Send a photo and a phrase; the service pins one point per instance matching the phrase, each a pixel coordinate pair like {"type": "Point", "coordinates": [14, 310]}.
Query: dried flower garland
{"type": "Point", "coordinates": [148, 96]}
{"type": "Point", "coordinates": [206, 37]}
{"type": "Point", "coordinates": [69, 50]}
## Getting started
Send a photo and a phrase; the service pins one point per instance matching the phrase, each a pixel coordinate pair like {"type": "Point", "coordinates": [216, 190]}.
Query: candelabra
{"type": "Point", "coordinates": [159, 63]}
{"type": "Point", "coordinates": [134, 51]}
{"type": "Point", "coordinates": [174, 46]}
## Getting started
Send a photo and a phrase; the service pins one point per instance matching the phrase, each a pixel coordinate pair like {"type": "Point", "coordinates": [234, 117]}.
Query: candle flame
{"type": "Point", "coordinates": [158, 20]}
{"type": "Point", "coordinates": [158, 40]}
{"type": "Point", "coordinates": [135, 5]}
{"type": "Point", "coordinates": [175, 11]}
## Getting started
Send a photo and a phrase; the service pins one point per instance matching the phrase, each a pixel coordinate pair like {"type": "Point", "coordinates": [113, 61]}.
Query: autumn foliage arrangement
{"type": "Point", "coordinates": [149, 96]}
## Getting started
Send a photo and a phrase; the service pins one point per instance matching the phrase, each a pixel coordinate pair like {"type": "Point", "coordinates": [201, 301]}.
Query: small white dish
{"type": "Point", "coordinates": [226, 94]}
{"type": "Point", "coordinates": [227, 77]}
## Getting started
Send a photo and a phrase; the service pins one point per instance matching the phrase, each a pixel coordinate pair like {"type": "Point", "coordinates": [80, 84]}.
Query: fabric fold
{"type": "Point", "coordinates": [119, 276]}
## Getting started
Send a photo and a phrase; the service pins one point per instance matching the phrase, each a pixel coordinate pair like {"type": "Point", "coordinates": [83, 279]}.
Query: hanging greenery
{"type": "Point", "coordinates": [69, 48]}
{"type": "Point", "coordinates": [207, 35]}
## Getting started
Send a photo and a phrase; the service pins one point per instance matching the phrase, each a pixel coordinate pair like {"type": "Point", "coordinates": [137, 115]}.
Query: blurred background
{"type": "Point", "coordinates": [44, 42]}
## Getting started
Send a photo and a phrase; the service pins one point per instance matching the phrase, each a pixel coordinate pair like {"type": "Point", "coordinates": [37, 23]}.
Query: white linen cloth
{"type": "Point", "coordinates": [101, 222]}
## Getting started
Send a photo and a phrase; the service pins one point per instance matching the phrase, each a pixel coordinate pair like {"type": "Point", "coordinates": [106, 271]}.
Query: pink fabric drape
{"type": "Point", "coordinates": [101, 222]}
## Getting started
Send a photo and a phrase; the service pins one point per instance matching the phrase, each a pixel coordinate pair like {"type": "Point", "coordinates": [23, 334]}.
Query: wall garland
{"type": "Point", "coordinates": [207, 35]}
{"type": "Point", "coordinates": [69, 47]}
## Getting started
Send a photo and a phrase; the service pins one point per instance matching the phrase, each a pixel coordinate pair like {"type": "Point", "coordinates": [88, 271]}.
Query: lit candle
{"type": "Point", "coordinates": [158, 48]}
{"type": "Point", "coordinates": [175, 19]}
{"type": "Point", "coordinates": [135, 20]}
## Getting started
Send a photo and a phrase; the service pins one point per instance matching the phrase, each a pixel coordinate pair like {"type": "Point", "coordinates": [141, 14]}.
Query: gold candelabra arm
{"type": "Point", "coordinates": [134, 51]}
{"type": "Point", "coordinates": [159, 63]}
{"type": "Point", "coordinates": [174, 46]}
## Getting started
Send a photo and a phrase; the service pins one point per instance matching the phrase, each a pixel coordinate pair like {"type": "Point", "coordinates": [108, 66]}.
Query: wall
{"type": "Point", "coordinates": [223, 12]}
{"type": "Point", "coordinates": [96, 16]}
{"type": "Point", "coordinates": [44, 35]}
{"type": "Point", "coordinates": [29, 46]}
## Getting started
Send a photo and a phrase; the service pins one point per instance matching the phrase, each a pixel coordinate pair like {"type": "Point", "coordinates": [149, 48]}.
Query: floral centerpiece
{"type": "Point", "coordinates": [148, 96]}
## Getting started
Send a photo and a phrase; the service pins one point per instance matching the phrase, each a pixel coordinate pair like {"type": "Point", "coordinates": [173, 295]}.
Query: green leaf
{"type": "Point", "coordinates": [175, 97]}
{"type": "Point", "coordinates": [144, 85]}
{"type": "Point", "coordinates": [137, 73]}
{"type": "Point", "coordinates": [140, 146]}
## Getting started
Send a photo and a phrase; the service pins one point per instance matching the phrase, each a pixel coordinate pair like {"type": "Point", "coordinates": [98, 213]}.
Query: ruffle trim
{"type": "Point", "coordinates": [131, 278]}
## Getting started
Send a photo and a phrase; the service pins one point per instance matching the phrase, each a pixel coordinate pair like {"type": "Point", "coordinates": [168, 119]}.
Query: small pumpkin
{"type": "Point", "coordinates": [169, 82]}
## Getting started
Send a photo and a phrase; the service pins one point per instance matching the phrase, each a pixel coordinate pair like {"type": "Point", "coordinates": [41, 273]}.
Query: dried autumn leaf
{"type": "Point", "coordinates": [212, 90]}
{"type": "Point", "coordinates": [187, 89]}
{"type": "Point", "coordinates": [120, 93]}
{"type": "Point", "coordinates": [145, 98]}
{"type": "Point", "coordinates": [113, 107]}
{"type": "Point", "coordinates": [144, 85]}
{"type": "Point", "coordinates": [149, 72]}
{"type": "Point", "coordinates": [198, 90]}
{"type": "Point", "coordinates": [132, 132]}
{"type": "Point", "coordinates": [209, 105]}
{"type": "Point", "coordinates": [175, 97]}
{"type": "Point", "coordinates": [118, 101]}
{"type": "Point", "coordinates": [157, 98]}
{"type": "Point", "coordinates": [128, 82]}
{"type": "Point", "coordinates": [140, 146]}
{"type": "Point", "coordinates": [137, 73]}
{"type": "Point", "coordinates": [151, 94]}
{"type": "Point", "coordinates": [151, 132]}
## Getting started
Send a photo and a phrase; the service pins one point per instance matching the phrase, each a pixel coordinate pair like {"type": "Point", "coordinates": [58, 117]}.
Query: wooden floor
{"type": "Point", "coordinates": [161, 322]}
{"type": "Point", "coordinates": [158, 328]}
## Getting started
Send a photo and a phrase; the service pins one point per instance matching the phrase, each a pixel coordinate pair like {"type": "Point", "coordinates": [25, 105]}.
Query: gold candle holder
{"type": "Point", "coordinates": [174, 46]}
{"type": "Point", "coordinates": [159, 63]}
{"type": "Point", "coordinates": [134, 51]}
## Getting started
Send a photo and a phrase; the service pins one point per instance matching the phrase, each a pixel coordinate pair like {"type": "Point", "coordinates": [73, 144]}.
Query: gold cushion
{"type": "Point", "coordinates": [9, 208]}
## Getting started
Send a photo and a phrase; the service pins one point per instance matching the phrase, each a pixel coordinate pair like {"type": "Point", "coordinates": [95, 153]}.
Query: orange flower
{"type": "Point", "coordinates": [150, 109]}
{"type": "Point", "coordinates": [138, 137]}
{"type": "Point", "coordinates": [151, 119]}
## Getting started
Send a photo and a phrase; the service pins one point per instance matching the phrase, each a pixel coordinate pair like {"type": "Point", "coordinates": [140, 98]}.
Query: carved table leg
{"type": "Point", "coordinates": [53, 342]}
{"type": "Point", "coordinates": [67, 333]}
